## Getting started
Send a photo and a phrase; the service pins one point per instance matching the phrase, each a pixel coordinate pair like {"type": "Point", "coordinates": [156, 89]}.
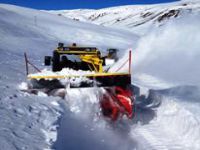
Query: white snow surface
{"type": "Point", "coordinates": [140, 19]}
{"type": "Point", "coordinates": [64, 72]}
{"type": "Point", "coordinates": [165, 60]}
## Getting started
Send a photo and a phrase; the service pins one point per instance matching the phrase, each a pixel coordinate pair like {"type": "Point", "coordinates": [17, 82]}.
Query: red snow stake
{"type": "Point", "coordinates": [127, 61]}
{"type": "Point", "coordinates": [130, 59]}
{"type": "Point", "coordinates": [27, 62]}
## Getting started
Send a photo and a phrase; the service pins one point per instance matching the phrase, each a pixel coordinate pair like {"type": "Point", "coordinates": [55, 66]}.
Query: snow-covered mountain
{"type": "Point", "coordinates": [165, 64]}
{"type": "Point", "coordinates": [134, 17]}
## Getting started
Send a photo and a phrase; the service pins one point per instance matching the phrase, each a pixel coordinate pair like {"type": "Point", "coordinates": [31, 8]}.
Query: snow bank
{"type": "Point", "coordinates": [183, 125]}
{"type": "Point", "coordinates": [84, 102]}
{"type": "Point", "coordinates": [176, 121]}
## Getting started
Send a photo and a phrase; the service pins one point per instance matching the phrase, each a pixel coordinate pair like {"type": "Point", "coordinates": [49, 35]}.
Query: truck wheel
{"type": "Point", "coordinates": [56, 62]}
{"type": "Point", "coordinates": [47, 60]}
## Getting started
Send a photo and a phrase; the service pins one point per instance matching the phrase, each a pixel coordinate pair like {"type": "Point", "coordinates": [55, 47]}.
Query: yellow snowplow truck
{"type": "Point", "coordinates": [118, 99]}
{"type": "Point", "coordinates": [90, 57]}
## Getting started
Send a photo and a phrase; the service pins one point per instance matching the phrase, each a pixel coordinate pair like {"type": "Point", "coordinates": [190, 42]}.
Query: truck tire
{"type": "Point", "coordinates": [47, 60]}
{"type": "Point", "coordinates": [56, 62]}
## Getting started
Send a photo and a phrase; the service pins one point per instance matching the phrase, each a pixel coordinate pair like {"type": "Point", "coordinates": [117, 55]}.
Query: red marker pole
{"type": "Point", "coordinates": [26, 63]}
{"type": "Point", "coordinates": [130, 61]}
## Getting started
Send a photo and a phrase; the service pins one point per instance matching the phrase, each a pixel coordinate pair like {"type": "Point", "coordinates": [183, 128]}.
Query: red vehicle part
{"type": "Point", "coordinates": [117, 102]}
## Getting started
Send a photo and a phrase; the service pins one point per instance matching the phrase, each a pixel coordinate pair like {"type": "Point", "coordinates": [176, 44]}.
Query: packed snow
{"type": "Point", "coordinates": [165, 67]}
{"type": "Point", "coordinates": [65, 72]}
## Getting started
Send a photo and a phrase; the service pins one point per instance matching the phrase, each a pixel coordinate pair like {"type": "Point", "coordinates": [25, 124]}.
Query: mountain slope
{"type": "Point", "coordinates": [40, 26]}
{"type": "Point", "coordinates": [134, 18]}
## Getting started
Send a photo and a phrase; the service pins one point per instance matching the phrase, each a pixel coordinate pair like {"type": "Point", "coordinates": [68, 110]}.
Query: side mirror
{"type": "Point", "coordinates": [112, 53]}
{"type": "Point", "coordinates": [47, 60]}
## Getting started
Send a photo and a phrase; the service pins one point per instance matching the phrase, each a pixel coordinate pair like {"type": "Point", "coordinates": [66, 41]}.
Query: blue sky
{"type": "Point", "coordinates": [74, 4]}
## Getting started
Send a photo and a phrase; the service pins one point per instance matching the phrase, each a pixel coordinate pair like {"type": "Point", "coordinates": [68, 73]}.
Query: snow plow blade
{"type": "Point", "coordinates": [92, 80]}
{"type": "Point", "coordinates": [118, 100]}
